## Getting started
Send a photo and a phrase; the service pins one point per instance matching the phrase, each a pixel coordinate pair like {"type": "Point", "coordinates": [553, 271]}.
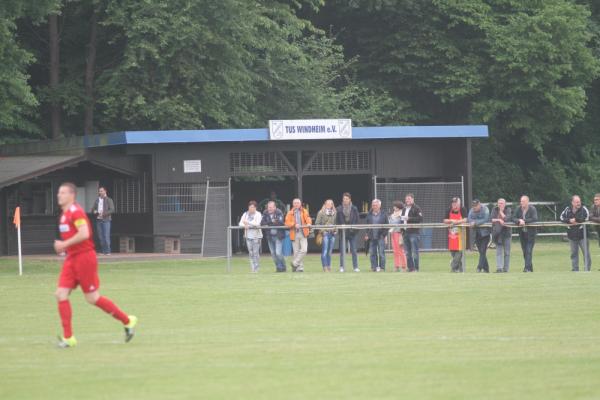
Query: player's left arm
{"type": "Point", "coordinates": [83, 233]}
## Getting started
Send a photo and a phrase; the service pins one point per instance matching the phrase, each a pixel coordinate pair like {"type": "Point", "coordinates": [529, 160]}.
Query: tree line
{"type": "Point", "coordinates": [527, 68]}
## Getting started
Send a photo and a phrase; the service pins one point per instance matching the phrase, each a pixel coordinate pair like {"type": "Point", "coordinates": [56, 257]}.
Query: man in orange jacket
{"type": "Point", "coordinates": [294, 219]}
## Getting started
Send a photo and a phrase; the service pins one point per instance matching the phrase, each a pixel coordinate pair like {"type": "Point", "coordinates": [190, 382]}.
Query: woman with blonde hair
{"type": "Point", "coordinates": [326, 216]}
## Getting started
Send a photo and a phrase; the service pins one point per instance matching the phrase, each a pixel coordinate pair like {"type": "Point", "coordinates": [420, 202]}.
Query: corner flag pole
{"type": "Point", "coordinates": [17, 222]}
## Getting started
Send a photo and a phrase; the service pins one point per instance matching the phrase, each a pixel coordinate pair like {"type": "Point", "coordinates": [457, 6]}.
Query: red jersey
{"type": "Point", "coordinates": [70, 220]}
{"type": "Point", "coordinates": [455, 233]}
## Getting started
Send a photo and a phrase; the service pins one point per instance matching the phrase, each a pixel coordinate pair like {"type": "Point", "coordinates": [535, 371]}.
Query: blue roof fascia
{"type": "Point", "coordinates": [197, 136]}
{"type": "Point", "coordinates": [262, 134]}
{"type": "Point", "coordinates": [420, 132]}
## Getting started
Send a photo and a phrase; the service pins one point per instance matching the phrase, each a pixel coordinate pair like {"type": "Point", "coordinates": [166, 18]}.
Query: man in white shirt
{"type": "Point", "coordinates": [103, 209]}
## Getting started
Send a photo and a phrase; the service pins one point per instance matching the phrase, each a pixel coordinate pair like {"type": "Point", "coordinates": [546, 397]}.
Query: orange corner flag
{"type": "Point", "coordinates": [17, 218]}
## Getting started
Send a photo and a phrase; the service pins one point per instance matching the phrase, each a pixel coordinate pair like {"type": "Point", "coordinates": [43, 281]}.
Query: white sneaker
{"type": "Point", "coordinates": [356, 270]}
{"type": "Point", "coordinates": [377, 269]}
{"type": "Point", "coordinates": [342, 269]}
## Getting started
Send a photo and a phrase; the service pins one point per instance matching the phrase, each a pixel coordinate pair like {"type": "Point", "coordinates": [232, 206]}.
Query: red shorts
{"type": "Point", "coordinates": [80, 269]}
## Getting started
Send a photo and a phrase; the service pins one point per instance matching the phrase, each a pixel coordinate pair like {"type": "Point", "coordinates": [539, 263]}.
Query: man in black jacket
{"type": "Point", "coordinates": [526, 214]}
{"type": "Point", "coordinates": [272, 217]}
{"type": "Point", "coordinates": [575, 215]}
{"type": "Point", "coordinates": [347, 214]}
{"type": "Point", "coordinates": [412, 214]}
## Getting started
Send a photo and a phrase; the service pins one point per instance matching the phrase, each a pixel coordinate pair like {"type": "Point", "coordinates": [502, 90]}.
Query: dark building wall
{"type": "Point", "coordinates": [429, 158]}
{"type": "Point", "coordinates": [399, 159]}
{"type": "Point", "coordinates": [37, 235]}
{"type": "Point", "coordinates": [168, 158]}
{"type": "Point", "coordinates": [394, 159]}
{"type": "Point", "coordinates": [117, 159]}
{"type": "Point", "coordinates": [389, 158]}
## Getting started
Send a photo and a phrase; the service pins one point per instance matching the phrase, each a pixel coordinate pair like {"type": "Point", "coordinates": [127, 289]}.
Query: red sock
{"type": "Point", "coordinates": [111, 308]}
{"type": "Point", "coordinates": [64, 310]}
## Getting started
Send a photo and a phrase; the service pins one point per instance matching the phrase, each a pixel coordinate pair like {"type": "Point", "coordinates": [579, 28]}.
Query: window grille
{"type": "Point", "coordinates": [130, 195]}
{"type": "Point", "coordinates": [349, 160]}
{"type": "Point", "coordinates": [180, 197]}
{"type": "Point", "coordinates": [259, 163]}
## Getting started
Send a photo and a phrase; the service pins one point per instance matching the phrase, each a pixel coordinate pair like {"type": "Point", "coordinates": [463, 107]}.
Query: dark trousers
{"type": "Point", "coordinates": [377, 250]}
{"type": "Point", "coordinates": [527, 243]}
{"type": "Point", "coordinates": [351, 242]}
{"type": "Point", "coordinates": [276, 249]}
{"type": "Point", "coordinates": [456, 264]}
{"type": "Point", "coordinates": [482, 245]}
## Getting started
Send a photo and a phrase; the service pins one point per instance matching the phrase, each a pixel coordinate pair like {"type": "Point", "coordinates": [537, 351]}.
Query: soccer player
{"type": "Point", "coordinates": [80, 267]}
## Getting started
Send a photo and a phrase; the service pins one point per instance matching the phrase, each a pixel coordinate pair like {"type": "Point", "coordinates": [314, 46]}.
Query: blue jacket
{"type": "Point", "coordinates": [479, 218]}
{"type": "Point", "coordinates": [381, 218]}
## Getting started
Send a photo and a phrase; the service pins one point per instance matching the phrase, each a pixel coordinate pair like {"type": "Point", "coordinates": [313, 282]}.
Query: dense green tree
{"type": "Point", "coordinates": [527, 68]}
{"type": "Point", "coordinates": [17, 102]}
{"type": "Point", "coordinates": [522, 67]}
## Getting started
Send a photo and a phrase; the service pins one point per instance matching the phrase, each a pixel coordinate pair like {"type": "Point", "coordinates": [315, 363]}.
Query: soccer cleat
{"type": "Point", "coordinates": [64, 343]}
{"type": "Point", "coordinates": [130, 328]}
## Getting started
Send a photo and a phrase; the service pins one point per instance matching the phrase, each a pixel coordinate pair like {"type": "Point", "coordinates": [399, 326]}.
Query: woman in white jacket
{"type": "Point", "coordinates": [251, 222]}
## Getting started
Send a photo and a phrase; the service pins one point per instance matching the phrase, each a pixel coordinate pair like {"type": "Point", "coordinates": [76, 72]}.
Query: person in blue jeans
{"type": "Point", "coordinates": [411, 214]}
{"type": "Point", "coordinates": [273, 217]}
{"type": "Point", "coordinates": [347, 214]}
{"type": "Point", "coordinates": [103, 210]}
{"type": "Point", "coordinates": [377, 237]}
{"type": "Point", "coordinates": [480, 215]}
{"type": "Point", "coordinates": [327, 216]}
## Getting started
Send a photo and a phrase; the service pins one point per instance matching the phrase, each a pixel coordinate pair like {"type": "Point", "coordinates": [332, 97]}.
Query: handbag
{"type": "Point", "coordinates": [319, 239]}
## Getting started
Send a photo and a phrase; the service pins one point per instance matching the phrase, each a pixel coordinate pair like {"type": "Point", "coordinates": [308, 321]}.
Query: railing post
{"type": "Point", "coordinates": [464, 251]}
{"type": "Point", "coordinates": [343, 248]}
{"type": "Point", "coordinates": [228, 249]}
{"type": "Point", "coordinates": [586, 255]}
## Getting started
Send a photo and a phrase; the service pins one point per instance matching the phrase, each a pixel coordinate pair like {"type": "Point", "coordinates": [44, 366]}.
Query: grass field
{"type": "Point", "coordinates": [207, 334]}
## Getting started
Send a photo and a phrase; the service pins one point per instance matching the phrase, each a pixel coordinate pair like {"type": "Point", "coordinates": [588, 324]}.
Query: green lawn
{"type": "Point", "coordinates": [207, 334]}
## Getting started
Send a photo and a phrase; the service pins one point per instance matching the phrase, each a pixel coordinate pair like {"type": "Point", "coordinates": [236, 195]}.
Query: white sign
{"type": "Point", "coordinates": [301, 129]}
{"type": "Point", "coordinates": [191, 166]}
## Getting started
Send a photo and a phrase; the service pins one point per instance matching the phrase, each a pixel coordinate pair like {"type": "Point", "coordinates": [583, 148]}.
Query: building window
{"type": "Point", "coordinates": [180, 197]}
{"type": "Point", "coordinates": [34, 198]}
{"type": "Point", "coordinates": [333, 161]}
{"type": "Point", "coordinates": [259, 163]}
{"type": "Point", "coordinates": [131, 195]}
